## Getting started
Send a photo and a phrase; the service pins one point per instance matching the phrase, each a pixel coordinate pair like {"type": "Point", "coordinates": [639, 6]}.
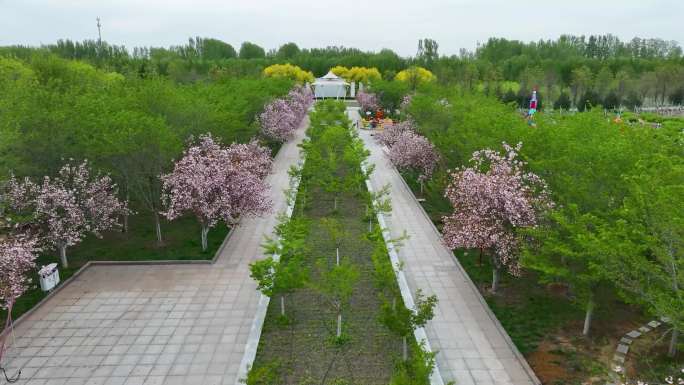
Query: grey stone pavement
{"type": "Point", "coordinates": [472, 347]}
{"type": "Point", "coordinates": [152, 324]}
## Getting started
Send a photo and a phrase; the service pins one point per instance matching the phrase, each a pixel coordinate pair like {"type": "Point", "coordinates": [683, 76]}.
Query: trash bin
{"type": "Point", "coordinates": [49, 277]}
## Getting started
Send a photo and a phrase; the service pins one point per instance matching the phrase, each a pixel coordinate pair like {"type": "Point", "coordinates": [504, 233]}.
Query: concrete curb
{"type": "Point", "coordinates": [492, 316]}
{"type": "Point", "coordinates": [254, 336]}
{"type": "Point", "coordinates": [406, 295]}
{"type": "Point", "coordinates": [419, 334]}
{"type": "Point", "coordinates": [262, 307]}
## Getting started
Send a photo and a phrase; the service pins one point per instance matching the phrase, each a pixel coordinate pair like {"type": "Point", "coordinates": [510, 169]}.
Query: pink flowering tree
{"type": "Point", "coordinates": [300, 99]}
{"type": "Point", "coordinates": [391, 133]}
{"type": "Point", "coordinates": [281, 117]}
{"type": "Point", "coordinates": [491, 199]}
{"type": "Point", "coordinates": [415, 153]}
{"type": "Point", "coordinates": [251, 156]}
{"type": "Point", "coordinates": [367, 101]}
{"type": "Point", "coordinates": [17, 260]}
{"type": "Point", "coordinates": [217, 184]}
{"type": "Point", "coordinates": [278, 121]}
{"type": "Point", "coordinates": [67, 208]}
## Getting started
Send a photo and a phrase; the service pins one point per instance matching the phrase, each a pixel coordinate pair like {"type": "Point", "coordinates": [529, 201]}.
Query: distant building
{"type": "Point", "coordinates": [330, 86]}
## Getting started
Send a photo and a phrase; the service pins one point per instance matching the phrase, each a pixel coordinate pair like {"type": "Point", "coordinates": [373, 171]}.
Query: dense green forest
{"type": "Point", "coordinates": [568, 71]}
{"type": "Point", "coordinates": [54, 109]}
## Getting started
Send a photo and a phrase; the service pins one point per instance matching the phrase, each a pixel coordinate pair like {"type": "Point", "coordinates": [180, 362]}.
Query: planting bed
{"type": "Point", "coordinates": [301, 347]}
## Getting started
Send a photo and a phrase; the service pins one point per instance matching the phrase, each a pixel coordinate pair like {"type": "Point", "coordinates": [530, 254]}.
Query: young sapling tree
{"type": "Point", "coordinates": [404, 321]}
{"type": "Point", "coordinates": [337, 286]}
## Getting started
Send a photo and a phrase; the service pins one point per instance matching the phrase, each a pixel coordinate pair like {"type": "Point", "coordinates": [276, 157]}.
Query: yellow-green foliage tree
{"type": "Point", "coordinates": [357, 74]}
{"type": "Point", "coordinates": [415, 76]}
{"type": "Point", "coordinates": [340, 71]}
{"type": "Point", "coordinates": [288, 71]}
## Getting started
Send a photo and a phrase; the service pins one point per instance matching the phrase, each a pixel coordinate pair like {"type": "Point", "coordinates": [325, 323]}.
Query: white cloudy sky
{"type": "Point", "coordinates": [370, 25]}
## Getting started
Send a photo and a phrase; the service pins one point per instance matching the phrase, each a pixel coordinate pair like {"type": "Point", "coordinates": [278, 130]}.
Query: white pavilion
{"type": "Point", "coordinates": [330, 86]}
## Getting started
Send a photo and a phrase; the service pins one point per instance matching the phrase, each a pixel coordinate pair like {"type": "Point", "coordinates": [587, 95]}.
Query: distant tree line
{"type": "Point", "coordinates": [571, 71]}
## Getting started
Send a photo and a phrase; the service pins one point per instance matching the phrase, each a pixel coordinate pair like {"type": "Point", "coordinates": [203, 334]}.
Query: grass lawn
{"type": "Point", "coordinates": [181, 242]}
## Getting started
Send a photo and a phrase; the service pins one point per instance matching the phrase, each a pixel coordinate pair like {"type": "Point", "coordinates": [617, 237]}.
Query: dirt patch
{"type": "Point", "coordinates": [547, 364]}
{"type": "Point", "coordinates": [566, 357]}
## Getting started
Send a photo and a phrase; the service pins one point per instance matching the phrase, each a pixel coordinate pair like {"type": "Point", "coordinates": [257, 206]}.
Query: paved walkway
{"type": "Point", "coordinates": [472, 347]}
{"type": "Point", "coordinates": [153, 324]}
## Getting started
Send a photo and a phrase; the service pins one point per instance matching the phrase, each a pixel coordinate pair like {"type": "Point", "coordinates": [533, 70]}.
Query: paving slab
{"type": "Point", "coordinates": [623, 349]}
{"type": "Point", "coordinates": [633, 334]}
{"type": "Point", "coordinates": [472, 346]}
{"type": "Point", "coordinates": [153, 324]}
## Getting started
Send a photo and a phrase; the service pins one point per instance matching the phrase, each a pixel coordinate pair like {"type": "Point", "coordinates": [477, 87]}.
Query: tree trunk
{"type": "Point", "coordinates": [157, 228]}
{"type": "Point", "coordinates": [421, 187]}
{"type": "Point", "coordinates": [303, 202]}
{"type": "Point", "coordinates": [370, 219]}
{"type": "Point", "coordinates": [205, 231]}
{"type": "Point", "coordinates": [587, 317]}
{"type": "Point", "coordinates": [282, 305]}
{"type": "Point", "coordinates": [339, 324]}
{"type": "Point", "coordinates": [675, 288]}
{"type": "Point", "coordinates": [126, 213]}
{"type": "Point", "coordinates": [480, 260]}
{"type": "Point", "coordinates": [337, 251]}
{"type": "Point", "coordinates": [404, 352]}
{"type": "Point", "coordinates": [62, 256]}
{"type": "Point", "coordinates": [495, 278]}
{"type": "Point", "coordinates": [672, 350]}
{"type": "Point", "coordinates": [8, 322]}
{"type": "Point", "coordinates": [335, 203]}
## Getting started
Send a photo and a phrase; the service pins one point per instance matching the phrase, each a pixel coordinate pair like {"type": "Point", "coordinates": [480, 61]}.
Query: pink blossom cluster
{"type": "Point", "coordinates": [408, 149]}
{"type": "Point", "coordinates": [217, 183]}
{"type": "Point", "coordinates": [300, 98]}
{"type": "Point", "coordinates": [281, 117]}
{"type": "Point", "coordinates": [392, 132]}
{"type": "Point", "coordinates": [491, 198]}
{"type": "Point", "coordinates": [413, 151]}
{"type": "Point", "coordinates": [17, 259]}
{"type": "Point", "coordinates": [251, 156]}
{"type": "Point", "coordinates": [64, 209]}
{"type": "Point", "coordinates": [405, 102]}
{"type": "Point", "coordinates": [367, 101]}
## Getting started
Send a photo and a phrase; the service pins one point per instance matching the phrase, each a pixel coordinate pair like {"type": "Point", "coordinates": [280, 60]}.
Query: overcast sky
{"type": "Point", "coordinates": [369, 25]}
